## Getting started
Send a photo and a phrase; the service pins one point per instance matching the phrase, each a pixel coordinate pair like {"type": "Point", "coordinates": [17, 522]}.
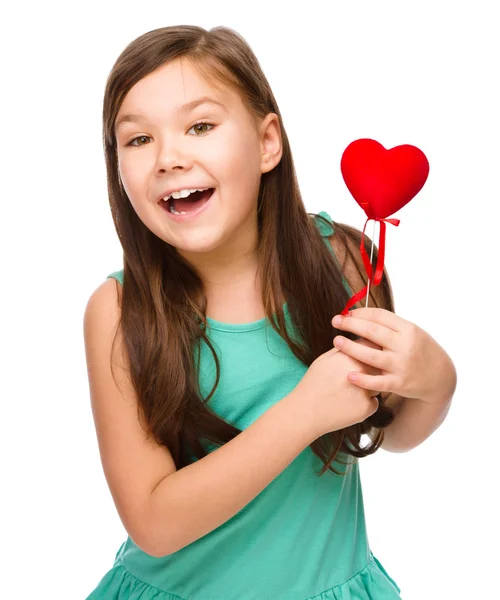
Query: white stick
{"type": "Point", "coordinates": [371, 257]}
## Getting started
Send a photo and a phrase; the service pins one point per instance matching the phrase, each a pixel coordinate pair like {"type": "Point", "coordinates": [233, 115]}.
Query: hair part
{"type": "Point", "coordinates": [163, 302]}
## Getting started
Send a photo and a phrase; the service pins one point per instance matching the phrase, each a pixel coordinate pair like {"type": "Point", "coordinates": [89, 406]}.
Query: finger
{"type": "Point", "coordinates": [369, 382]}
{"type": "Point", "coordinates": [379, 315]}
{"type": "Point", "coordinates": [367, 343]}
{"type": "Point", "coordinates": [371, 330]}
{"type": "Point", "coordinates": [380, 359]}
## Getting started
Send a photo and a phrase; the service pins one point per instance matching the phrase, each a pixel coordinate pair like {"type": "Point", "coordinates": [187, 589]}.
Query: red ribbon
{"type": "Point", "coordinates": [368, 267]}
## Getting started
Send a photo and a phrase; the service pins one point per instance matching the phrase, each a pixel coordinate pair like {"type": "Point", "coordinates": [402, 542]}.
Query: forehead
{"type": "Point", "coordinates": [165, 91]}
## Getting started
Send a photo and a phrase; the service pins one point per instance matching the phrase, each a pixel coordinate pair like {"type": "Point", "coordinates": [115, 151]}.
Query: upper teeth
{"type": "Point", "coordinates": [184, 193]}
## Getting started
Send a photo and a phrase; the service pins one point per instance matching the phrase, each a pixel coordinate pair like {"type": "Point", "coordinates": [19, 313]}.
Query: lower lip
{"type": "Point", "coordinates": [189, 216]}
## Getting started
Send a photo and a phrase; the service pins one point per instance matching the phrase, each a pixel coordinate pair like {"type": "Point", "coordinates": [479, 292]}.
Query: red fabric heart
{"type": "Point", "coordinates": [383, 181]}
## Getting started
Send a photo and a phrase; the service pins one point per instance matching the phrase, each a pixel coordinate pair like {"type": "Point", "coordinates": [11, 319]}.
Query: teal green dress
{"type": "Point", "coordinates": [302, 538]}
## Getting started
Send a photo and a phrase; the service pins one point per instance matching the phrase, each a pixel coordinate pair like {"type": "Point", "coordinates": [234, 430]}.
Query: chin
{"type": "Point", "coordinates": [198, 246]}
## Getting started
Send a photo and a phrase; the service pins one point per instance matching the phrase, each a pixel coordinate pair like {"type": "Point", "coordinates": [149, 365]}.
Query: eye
{"type": "Point", "coordinates": [142, 137]}
{"type": "Point", "coordinates": [201, 123]}
{"type": "Point", "coordinates": [139, 137]}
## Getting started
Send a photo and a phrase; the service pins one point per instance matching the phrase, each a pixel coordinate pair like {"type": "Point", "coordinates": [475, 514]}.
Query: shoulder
{"type": "Point", "coordinates": [103, 306]}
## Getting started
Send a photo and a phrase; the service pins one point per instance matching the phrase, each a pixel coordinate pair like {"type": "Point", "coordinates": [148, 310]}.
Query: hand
{"type": "Point", "coordinates": [328, 400]}
{"type": "Point", "coordinates": [411, 363]}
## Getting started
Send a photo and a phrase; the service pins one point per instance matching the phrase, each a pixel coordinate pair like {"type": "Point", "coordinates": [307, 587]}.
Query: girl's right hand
{"type": "Point", "coordinates": [329, 399]}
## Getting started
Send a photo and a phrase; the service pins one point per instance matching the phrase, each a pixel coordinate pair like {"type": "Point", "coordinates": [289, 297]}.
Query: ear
{"type": "Point", "coordinates": [271, 145]}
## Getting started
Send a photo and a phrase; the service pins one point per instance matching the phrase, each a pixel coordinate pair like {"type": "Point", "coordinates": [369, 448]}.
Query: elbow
{"type": "Point", "coordinates": [393, 443]}
{"type": "Point", "coordinates": [397, 449]}
{"type": "Point", "coordinates": [150, 546]}
{"type": "Point", "coordinates": [389, 444]}
{"type": "Point", "coordinates": [145, 535]}
{"type": "Point", "coordinates": [159, 536]}
{"type": "Point", "coordinates": [158, 554]}
{"type": "Point", "coordinates": [402, 444]}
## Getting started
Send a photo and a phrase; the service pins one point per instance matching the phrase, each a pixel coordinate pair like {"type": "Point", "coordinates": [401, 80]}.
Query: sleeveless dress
{"type": "Point", "coordinates": [302, 538]}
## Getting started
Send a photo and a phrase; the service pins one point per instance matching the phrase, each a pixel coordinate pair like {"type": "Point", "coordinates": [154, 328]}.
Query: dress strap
{"type": "Point", "coordinates": [116, 275]}
{"type": "Point", "coordinates": [324, 228]}
{"type": "Point", "coordinates": [327, 230]}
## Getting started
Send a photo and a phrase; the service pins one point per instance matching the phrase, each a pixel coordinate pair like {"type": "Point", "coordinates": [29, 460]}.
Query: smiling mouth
{"type": "Point", "coordinates": [187, 205]}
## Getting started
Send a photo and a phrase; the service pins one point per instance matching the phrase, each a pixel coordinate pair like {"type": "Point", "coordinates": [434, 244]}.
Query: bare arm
{"type": "Point", "coordinates": [415, 421]}
{"type": "Point", "coordinates": [200, 497]}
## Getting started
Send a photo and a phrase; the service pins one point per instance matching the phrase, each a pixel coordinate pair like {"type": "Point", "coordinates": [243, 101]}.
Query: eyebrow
{"type": "Point", "coordinates": [185, 108]}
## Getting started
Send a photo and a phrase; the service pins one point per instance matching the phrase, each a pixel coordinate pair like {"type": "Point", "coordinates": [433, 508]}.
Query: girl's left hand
{"type": "Point", "coordinates": [413, 364]}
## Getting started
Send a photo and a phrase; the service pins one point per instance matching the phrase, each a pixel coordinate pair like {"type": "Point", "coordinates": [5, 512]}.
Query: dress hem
{"type": "Point", "coordinates": [120, 584]}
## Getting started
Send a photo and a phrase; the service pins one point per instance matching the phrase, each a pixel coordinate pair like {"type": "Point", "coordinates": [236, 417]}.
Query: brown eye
{"type": "Point", "coordinates": [201, 124]}
{"type": "Point", "coordinates": [139, 137]}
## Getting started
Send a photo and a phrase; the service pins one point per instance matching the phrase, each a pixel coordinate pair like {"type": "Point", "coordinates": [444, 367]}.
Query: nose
{"type": "Point", "coordinates": [171, 155]}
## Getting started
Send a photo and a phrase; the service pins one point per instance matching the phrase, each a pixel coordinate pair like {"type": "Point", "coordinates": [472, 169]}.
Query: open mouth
{"type": "Point", "coordinates": [183, 207]}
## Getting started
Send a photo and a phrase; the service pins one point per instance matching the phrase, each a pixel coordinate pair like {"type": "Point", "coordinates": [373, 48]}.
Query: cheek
{"type": "Point", "coordinates": [132, 177]}
{"type": "Point", "coordinates": [242, 166]}
{"type": "Point", "coordinates": [236, 154]}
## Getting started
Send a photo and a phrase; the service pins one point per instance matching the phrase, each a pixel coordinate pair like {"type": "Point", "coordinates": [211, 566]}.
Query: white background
{"type": "Point", "coordinates": [422, 73]}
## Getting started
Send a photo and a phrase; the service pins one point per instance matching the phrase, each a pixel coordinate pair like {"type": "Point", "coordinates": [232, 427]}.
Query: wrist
{"type": "Point", "coordinates": [300, 412]}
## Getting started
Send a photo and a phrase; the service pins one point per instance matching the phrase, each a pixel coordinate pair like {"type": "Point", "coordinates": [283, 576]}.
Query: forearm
{"type": "Point", "coordinates": [416, 419]}
{"type": "Point", "coordinates": [414, 422]}
{"type": "Point", "coordinates": [200, 497]}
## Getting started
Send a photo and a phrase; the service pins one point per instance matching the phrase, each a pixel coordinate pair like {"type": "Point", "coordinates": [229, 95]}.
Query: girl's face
{"type": "Point", "coordinates": [162, 147]}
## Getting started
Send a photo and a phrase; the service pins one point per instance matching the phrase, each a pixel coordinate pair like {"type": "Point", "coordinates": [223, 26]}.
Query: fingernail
{"type": "Point", "coordinates": [337, 320]}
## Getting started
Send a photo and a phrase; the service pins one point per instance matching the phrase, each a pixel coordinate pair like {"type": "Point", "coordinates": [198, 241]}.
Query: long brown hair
{"type": "Point", "coordinates": [163, 303]}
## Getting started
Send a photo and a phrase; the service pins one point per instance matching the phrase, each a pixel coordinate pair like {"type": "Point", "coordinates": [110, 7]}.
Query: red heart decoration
{"type": "Point", "coordinates": [382, 181]}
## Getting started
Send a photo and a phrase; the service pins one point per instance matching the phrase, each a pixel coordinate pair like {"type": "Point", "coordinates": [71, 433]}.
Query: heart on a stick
{"type": "Point", "coordinates": [382, 181]}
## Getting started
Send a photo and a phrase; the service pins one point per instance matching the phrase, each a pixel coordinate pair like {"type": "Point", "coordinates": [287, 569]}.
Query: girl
{"type": "Point", "coordinates": [229, 434]}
